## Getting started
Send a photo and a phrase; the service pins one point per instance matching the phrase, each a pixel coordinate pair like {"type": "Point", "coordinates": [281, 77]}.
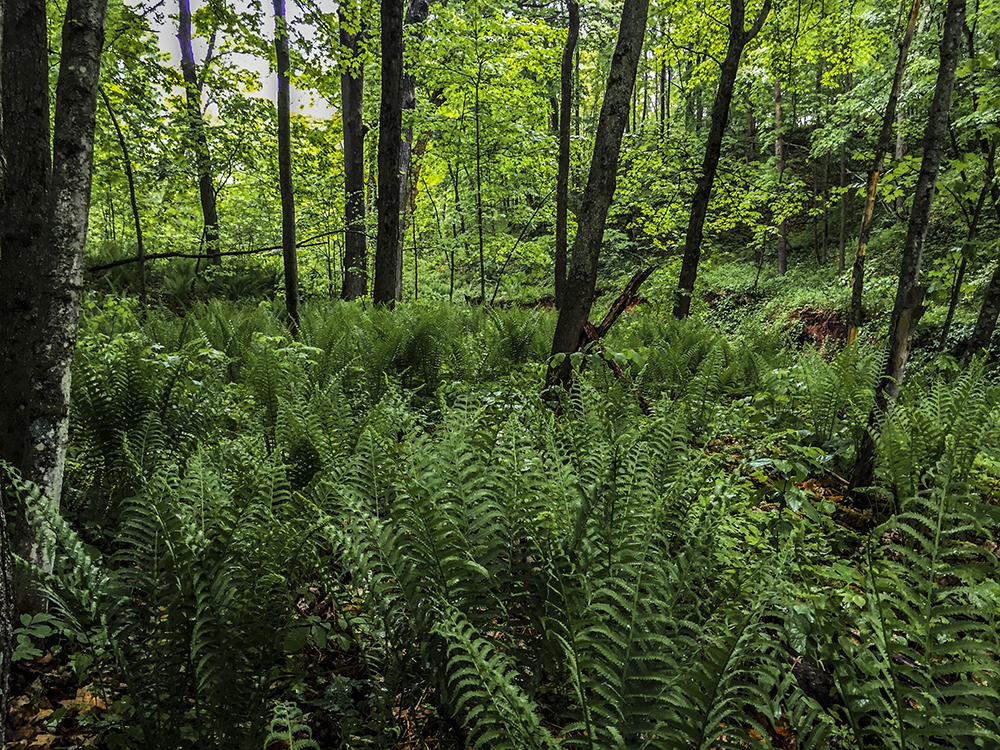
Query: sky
{"type": "Point", "coordinates": [164, 24]}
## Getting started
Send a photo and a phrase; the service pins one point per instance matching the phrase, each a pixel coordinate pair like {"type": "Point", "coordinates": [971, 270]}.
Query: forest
{"type": "Point", "coordinates": [606, 374]}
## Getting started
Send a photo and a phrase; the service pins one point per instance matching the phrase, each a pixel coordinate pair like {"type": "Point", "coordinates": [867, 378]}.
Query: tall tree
{"type": "Point", "coordinates": [43, 227]}
{"type": "Point", "coordinates": [581, 281]}
{"type": "Point", "coordinates": [908, 306]}
{"type": "Point", "coordinates": [285, 184]}
{"type": "Point", "coordinates": [352, 89]}
{"type": "Point", "coordinates": [884, 142]}
{"type": "Point", "coordinates": [199, 137]}
{"type": "Point", "coordinates": [6, 574]}
{"type": "Point", "coordinates": [562, 179]}
{"type": "Point", "coordinates": [416, 12]}
{"type": "Point", "coordinates": [779, 164]}
{"type": "Point", "coordinates": [739, 37]}
{"type": "Point", "coordinates": [389, 136]}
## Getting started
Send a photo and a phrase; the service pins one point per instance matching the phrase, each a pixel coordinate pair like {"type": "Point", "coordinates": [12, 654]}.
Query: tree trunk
{"type": "Point", "coordinates": [581, 281]}
{"type": "Point", "coordinates": [855, 315]}
{"type": "Point", "coordinates": [141, 250]}
{"type": "Point", "coordinates": [352, 87]}
{"type": "Point", "coordinates": [779, 163]}
{"type": "Point", "coordinates": [738, 38]}
{"type": "Point", "coordinates": [285, 184]}
{"type": "Point", "coordinates": [7, 615]}
{"type": "Point", "coordinates": [910, 294]}
{"type": "Point", "coordinates": [986, 321]}
{"type": "Point", "coordinates": [562, 178]}
{"type": "Point", "coordinates": [196, 122]}
{"type": "Point", "coordinates": [842, 241]}
{"type": "Point", "coordinates": [43, 228]}
{"type": "Point", "coordinates": [389, 136]}
{"type": "Point", "coordinates": [900, 153]}
{"type": "Point", "coordinates": [416, 12]}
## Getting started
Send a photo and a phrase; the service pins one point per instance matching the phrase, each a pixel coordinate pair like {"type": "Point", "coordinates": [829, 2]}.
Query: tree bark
{"type": "Point", "coordinates": [779, 163]}
{"type": "Point", "coordinates": [910, 294]}
{"type": "Point", "coordinates": [352, 87]}
{"type": "Point", "coordinates": [43, 227]}
{"type": "Point", "coordinates": [389, 136]}
{"type": "Point", "coordinates": [140, 248]}
{"type": "Point", "coordinates": [738, 38]}
{"type": "Point", "coordinates": [285, 183]}
{"type": "Point", "coordinates": [196, 122]}
{"type": "Point", "coordinates": [855, 315]}
{"type": "Point", "coordinates": [842, 240]}
{"type": "Point", "coordinates": [581, 281]}
{"type": "Point", "coordinates": [562, 177]}
{"type": "Point", "coordinates": [416, 12]}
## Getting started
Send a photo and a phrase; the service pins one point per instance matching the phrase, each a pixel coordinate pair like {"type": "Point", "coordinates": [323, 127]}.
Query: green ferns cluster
{"type": "Point", "coordinates": [581, 579]}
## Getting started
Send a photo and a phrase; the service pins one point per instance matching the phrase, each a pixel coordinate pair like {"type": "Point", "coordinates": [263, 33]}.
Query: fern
{"type": "Point", "coordinates": [482, 686]}
{"type": "Point", "coordinates": [286, 726]}
{"type": "Point", "coordinates": [926, 677]}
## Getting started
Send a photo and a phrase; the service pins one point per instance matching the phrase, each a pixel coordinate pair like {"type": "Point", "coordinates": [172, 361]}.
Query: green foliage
{"type": "Point", "coordinates": [912, 680]}
{"type": "Point", "coordinates": [286, 726]}
{"type": "Point", "coordinates": [601, 577]}
{"type": "Point", "coordinates": [936, 421]}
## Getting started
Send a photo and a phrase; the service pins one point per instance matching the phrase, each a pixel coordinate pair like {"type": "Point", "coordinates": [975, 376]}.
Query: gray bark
{"type": "Point", "coordinates": [285, 184]}
{"type": "Point", "coordinates": [389, 136]}
{"type": "Point", "coordinates": [581, 281]}
{"type": "Point", "coordinates": [43, 225]}
{"type": "Point", "coordinates": [352, 87]}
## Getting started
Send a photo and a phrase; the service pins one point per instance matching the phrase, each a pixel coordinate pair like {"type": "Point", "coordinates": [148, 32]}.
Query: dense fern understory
{"type": "Point", "coordinates": [383, 535]}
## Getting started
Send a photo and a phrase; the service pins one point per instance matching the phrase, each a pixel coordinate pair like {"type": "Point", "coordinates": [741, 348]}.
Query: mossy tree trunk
{"type": "Point", "coordinates": [43, 227]}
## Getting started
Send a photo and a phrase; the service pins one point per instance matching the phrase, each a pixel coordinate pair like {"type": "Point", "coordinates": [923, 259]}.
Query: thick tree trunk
{"type": "Point", "coordinates": [352, 87]}
{"type": "Point", "coordinates": [738, 38]}
{"type": "Point", "coordinates": [389, 136]}
{"type": "Point", "coordinates": [285, 184]}
{"type": "Point", "coordinates": [43, 227]}
{"type": "Point", "coordinates": [582, 278]}
{"type": "Point", "coordinates": [196, 122]}
{"type": "Point", "coordinates": [562, 177]}
{"type": "Point", "coordinates": [910, 294]}
{"type": "Point", "coordinates": [855, 315]}
{"type": "Point", "coordinates": [6, 578]}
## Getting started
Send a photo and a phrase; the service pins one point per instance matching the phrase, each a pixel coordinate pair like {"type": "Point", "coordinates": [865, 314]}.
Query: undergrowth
{"type": "Point", "coordinates": [248, 514]}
